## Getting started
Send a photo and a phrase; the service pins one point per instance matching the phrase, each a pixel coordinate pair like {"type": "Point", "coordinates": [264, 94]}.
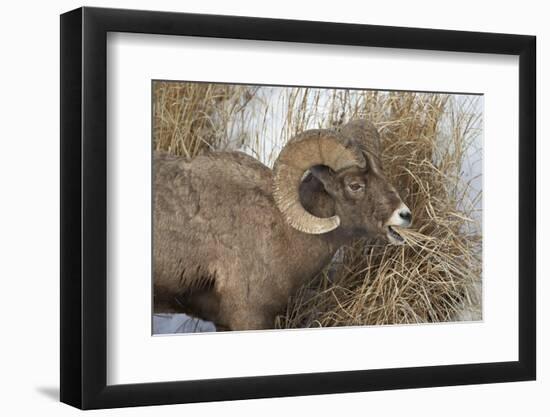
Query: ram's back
{"type": "Point", "coordinates": [215, 209]}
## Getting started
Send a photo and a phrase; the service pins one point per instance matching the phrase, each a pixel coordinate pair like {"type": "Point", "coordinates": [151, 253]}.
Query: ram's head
{"type": "Point", "coordinates": [347, 162]}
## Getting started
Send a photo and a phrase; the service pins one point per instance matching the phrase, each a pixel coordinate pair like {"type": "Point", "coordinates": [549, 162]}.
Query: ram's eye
{"type": "Point", "coordinates": [355, 186]}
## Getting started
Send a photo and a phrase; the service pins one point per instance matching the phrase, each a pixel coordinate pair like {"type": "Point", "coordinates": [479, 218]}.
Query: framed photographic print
{"type": "Point", "coordinates": [256, 208]}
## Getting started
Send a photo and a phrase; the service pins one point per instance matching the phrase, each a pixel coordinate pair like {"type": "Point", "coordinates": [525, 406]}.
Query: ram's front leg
{"type": "Point", "coordinates": [240, 313]}
{"type": "Point", "coordinates": [251, 319]}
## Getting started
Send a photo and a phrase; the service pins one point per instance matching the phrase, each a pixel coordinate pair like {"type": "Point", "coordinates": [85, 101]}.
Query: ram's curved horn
{"type": "Point", "coordinates": [365, 135]}
{"type": "Point", "coordinates": [310, 148]}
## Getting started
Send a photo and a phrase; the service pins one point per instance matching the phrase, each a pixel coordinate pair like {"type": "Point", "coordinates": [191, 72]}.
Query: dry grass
{"type": "Point", "coordinates": [189, 117]}
{"type": "Point", "coordinates": [436, 276]}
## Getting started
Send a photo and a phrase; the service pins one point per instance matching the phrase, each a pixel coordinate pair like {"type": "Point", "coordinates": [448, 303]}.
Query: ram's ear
{"type": "Point", "coordinates": [326, 176]}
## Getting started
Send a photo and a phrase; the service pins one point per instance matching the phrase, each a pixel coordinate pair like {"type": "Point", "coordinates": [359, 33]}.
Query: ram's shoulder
{"type": "Point", "coordinates": [219, 167]}
{"type": "Point", "coordinates": [236, 160]}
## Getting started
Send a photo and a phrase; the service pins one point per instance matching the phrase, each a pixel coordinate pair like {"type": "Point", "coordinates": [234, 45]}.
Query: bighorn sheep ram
{"type": "Point", "coordinates": [234, 239]}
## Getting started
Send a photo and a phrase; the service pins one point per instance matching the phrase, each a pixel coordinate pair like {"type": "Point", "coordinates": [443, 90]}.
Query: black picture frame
{"type": "Point", "coordinates": [84, 207]}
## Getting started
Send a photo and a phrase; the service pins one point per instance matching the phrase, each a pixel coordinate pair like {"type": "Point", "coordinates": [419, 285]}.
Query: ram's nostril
{"type": "Point", "coordinates": [405, 215]}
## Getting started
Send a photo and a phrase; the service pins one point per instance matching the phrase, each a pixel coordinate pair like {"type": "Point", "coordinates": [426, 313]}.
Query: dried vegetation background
{"type": "Point", "coordinates": [431, 154]}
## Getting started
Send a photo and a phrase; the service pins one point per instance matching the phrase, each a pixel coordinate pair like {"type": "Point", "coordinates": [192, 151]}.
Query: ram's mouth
{"type": "Point", "coordinates": [393, 236]}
